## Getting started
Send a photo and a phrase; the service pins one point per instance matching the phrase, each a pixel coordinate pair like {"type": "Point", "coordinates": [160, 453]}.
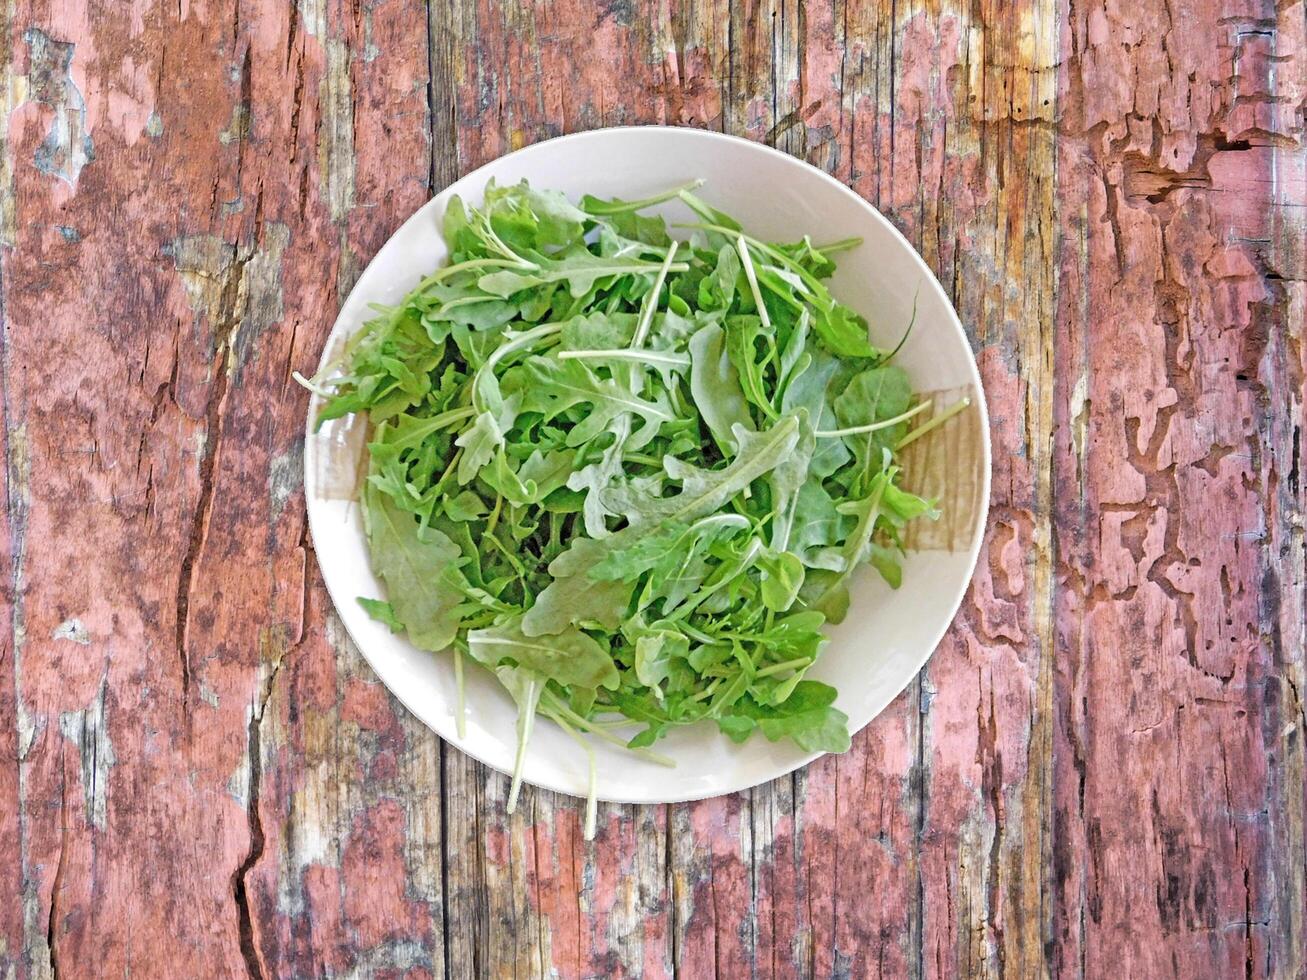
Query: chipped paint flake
{"type": "Point", "coordinates": [264, 303]}
{"type": "Point", "coordinates": [74, 630]}
{"type": "Point", "coordinates": [238, 127]}
{"type": "Point", "coordinates": [285, 477]}
{"type": "Point", "coordinates": [67, 147]}
{"type": "Point", "coordinates": [312, 16]}
{"type": "Point", "coordinates": [336, 139]}
{"type": "Point", "coordinates": [203, 262]}
{"type": "Point", "coordinates": [232, 286]}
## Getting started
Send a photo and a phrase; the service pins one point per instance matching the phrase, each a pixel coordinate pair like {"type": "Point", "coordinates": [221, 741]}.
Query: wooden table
{"type": "Point", "coordinates": [1100, 773]}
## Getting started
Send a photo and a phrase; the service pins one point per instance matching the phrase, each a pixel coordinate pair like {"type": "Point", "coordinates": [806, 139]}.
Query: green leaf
{"type": "Point", "coordinates": [579, 270]}
{"type": "Point", "coordinates": [465, 506]}
{"type": "Point", "coordinates": [717, 290]}
{"type": "Point", "coordinates": [598, 331]}
{"type": "Point", "coordinates": [479, 442]}
{"type": "Point", "coordinates": [816, 523]}
{"type": "Point", "coordinates": [655, 651]}
{"type": "Point", "coordinates": [572, 597]}
{"type": "Point", "coordinates": [782, 577]}
{"type": "Point", "coordinates": [715, 385]}
{"type": "Point", "coordinates": [886, 561]}
{"type": "Point", "coordinates": [807, 716]}
{"type": "Point", "coordinates": [873, 396]}
{"type": "Point", "coordinates": [569, 657]}
{"type": "Point", "coordinates": [382, 612]}
{"type": "Point", "coordinates": [736, 727]}
{"type": "Point", "coordinates": [425, 588]}
{"type": "Point", "coordinates": [819, 730]}
{"type": "Point", "coordinates": [843, 331]}
{"type": "Point", "coordinates": [556, 220]}
{"type": "Point", "coordinates": [661, 550]}
{"type": "Point", "coordinates": [552, 386]}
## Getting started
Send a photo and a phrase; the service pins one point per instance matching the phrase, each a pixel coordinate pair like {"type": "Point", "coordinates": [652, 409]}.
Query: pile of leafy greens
{"type": "Point", "coordinates": [629, 475]}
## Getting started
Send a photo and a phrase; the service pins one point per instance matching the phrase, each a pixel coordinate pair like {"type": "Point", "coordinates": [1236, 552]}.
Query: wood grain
{"type": "Point", "coordinates": [1100, 772]}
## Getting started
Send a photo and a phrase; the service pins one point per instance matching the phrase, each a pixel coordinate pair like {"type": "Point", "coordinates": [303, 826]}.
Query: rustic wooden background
{"type": "Point", "coordinates": [1100, 773]}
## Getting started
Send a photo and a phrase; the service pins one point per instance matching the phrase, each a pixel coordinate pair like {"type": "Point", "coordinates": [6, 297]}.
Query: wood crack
{"type": "Point", "coordinates": [229, 316]}
{"type": "Point", "coordinates": [240, 888]}
{"type": "Point", "coordinates": [52, 922]}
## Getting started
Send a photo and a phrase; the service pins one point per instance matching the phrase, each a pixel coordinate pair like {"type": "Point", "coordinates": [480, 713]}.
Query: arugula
{"type": "Point", "coordinates": [627, 474]}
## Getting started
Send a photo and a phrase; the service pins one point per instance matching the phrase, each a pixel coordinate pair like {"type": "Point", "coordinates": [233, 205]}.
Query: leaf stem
{"type": "Point", "coordinates": [643, 355]}
{"type": "Point", "coordinates": [787, 665]}
{"type": "Point", "coordinates": [707, 692]}
{"type": "Point", "coordinates": [503, 350]}
{"type": "Point", "coordinates": [752, 276]}
{"type": "Point", "coordinates": [774, 254]}
{"type": "Point", "coordinates": [449, 270]}
{"type": "Point", "coordinates": [906, 333]}
{"type": "Point", "coordinates": [458, 454]}
{"type": "Point", "coordinates": [933, 423]}
{"type": "Point", "coordinates": [874, 426]}
{"type": "Point", "coordinates": [312, 386]}
{"type": "Point", "coordinates": [460, 698]}
{"type": "Point", "coordinates": [592, 792]}
{"type": "Point", "coordinates": [843, 245]}
{"type": "Point", "coordinates": [494, 514]}
{"type": "Point", "coordinates": [603, 208]}
{"type": "Point", "coordinates": [526, 715]}
{"type": "Point", "coordinates": [557, 705]}
{"type": "Point", "coordinates": [651, 307]}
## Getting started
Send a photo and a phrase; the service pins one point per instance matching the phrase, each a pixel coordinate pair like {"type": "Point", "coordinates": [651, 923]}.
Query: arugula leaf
{"type": "Point", "coordinates": [425, 587]}
{"type": "Point", "coordinates": [782, 577]}
{"type": "Point", "coordinates": [573, 598]}
{"type": "Point", "coordinates": [551, 386]}
{"type": "Point", "coordinates": [715, 385]}
{"type": "Point", "coordinates": [382, 612]}
{"type": "Point", "coordinates": [580, 270]}
{"type": "Point", "coordinates": [569, 657]}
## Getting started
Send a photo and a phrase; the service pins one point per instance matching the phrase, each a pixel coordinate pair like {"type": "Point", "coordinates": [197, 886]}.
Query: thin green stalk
{"type": "Point", "coordinates": [604, 208]}
{"type": "Point", "coordinates": [874, 426]}
{"type": "Point", "coordinates": [843, 245]}
{"type": "Point", "coordinates": [934, 423]}
{"type": "Point", "coordinates": [556, 704]}
{"type": "Point", "coordinates": [449, 270]}
{"type": "Point", "coordinates": [707, 692]}
{"type": "Point", "coordinates": [788, 665]}
{"type": "Point", "coordinates": [752, 276]}
{"type": "Point", "coordinates": [906, 333]}
{"type": "Point", "coordinates": [592, 792]}
{"type": "Point", "coordinates": [651, 304]}
{"type": "Point", "coordinates": [775, 254]}
{"type": "Point", "coordinates": [643, 355]}
{"type": "Point", "coordinates": [460, 698]}
{"type": "Point", "coordinates": [494, 514]}
{"type": "Point", "coordinates": [518, 343]}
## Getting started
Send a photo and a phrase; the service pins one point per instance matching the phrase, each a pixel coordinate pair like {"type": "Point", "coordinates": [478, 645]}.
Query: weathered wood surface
{"type": "Point", "coordinates": [1100, 773]}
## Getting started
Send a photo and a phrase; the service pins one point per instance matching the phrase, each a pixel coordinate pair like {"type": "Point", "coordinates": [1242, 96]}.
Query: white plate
{"type": "Point", "coordinates": [887, 636]}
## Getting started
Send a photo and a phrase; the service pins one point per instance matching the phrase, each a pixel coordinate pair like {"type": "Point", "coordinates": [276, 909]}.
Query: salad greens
{"type": "Point", "coordinates": [629, 475]}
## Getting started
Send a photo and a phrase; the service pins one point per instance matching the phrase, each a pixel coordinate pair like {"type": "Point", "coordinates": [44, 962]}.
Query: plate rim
{"type": "Point", "coordinates": [310, 456]}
